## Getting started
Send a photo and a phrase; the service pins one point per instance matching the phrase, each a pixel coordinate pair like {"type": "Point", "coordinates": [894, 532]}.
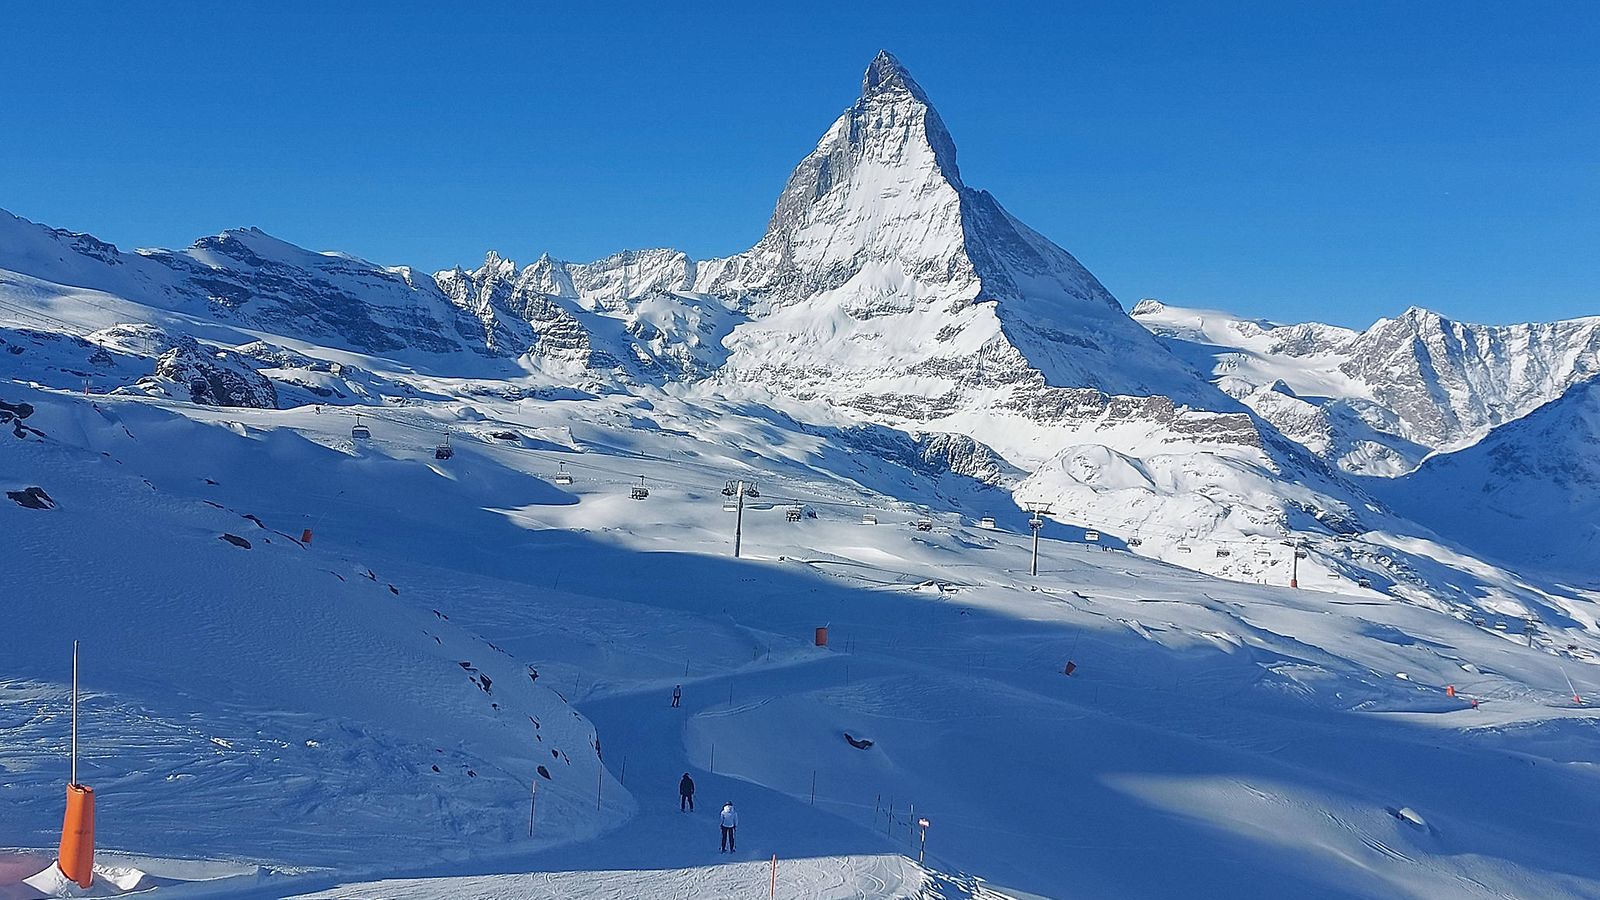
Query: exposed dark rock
{"type": "Point", "coordinates": [32, 498]}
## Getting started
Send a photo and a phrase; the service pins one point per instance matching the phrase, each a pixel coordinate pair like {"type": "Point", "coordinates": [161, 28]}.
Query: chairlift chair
{"type": "Point", "coordinates": [793, 514]}
{"type": "Point", "coordinates": [1301, 554]}
{"type": "Point", "coordinates": [869, 519]}
{"type": "Point", "coordinates": [1091, 535]}
{"type": "Point", "coordinates": [986, 522]}
{"type": "Point", "coordinates": [444, 451]}
{"type": "Point", "coordinates": [1135, 542]}
{"type": "Point", "coordinates": [562, 475]}
{"type": "Point", "coordinates": [1364, 582]}
{"type": "Point", "coordinates": [639, 491]}
{"type": "Point", "coordinates": [1223, 551]}
{"type": "Point", "coordinates": [360, 432]}
{"type": "Point", "coordinates": [925, 524]}
{"type": "Point", "coordinates": [1184, 548]}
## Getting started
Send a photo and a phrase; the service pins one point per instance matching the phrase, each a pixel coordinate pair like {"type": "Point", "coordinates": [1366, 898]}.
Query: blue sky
{"type": "Point", "coordinates": [1336, 161]}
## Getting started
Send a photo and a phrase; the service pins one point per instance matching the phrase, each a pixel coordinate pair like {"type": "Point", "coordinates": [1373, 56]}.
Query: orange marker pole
{"type": "Point", "coordinates": [76, 857]}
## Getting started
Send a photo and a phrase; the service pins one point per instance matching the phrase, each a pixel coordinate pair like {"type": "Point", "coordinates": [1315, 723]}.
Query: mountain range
{"type": "Point", "coordinates": [885, 293]}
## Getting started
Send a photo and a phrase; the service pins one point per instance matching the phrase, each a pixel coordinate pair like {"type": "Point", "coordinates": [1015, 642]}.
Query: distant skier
{"type": "Point", "coordinates": [677, 695]}
{"type": "Point", "coordinates": [730, 822]}
{"type": "Point", "coordinates": [686, 793]}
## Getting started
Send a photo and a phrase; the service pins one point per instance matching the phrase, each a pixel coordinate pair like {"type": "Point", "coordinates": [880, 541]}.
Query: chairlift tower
{"type": "Point", "coordinates": [1036, 522]}
{"type": "Point", "coordinates": [1294, 562]}
{"type": "Point", "coordinates": [739, 489]}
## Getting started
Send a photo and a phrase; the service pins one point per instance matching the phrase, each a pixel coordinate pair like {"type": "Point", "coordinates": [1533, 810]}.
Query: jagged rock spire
{"type": "Point", "coordinates": [886, 74]}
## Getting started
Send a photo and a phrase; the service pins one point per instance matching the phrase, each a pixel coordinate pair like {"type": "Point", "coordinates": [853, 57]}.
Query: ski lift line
{"type": "Point", "coordinates": [627, 477]}
{"type": "Point", "coordinates": [48, 320]}
{"type": "Point", "coordinates": [622, 477]}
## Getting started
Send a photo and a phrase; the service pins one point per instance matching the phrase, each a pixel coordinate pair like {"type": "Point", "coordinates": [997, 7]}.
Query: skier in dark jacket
{"type": "Point", "coordinates": [686, 793]}
{"type": "Point", "coordinates": [677, 695]}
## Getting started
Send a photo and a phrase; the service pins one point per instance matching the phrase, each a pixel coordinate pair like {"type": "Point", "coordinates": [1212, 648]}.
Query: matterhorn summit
{"type": "Point", "coordinates": [887, 285]}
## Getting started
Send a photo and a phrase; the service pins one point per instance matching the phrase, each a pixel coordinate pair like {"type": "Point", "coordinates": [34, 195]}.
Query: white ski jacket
{"type": "Point", "coordinates": [730, 819]}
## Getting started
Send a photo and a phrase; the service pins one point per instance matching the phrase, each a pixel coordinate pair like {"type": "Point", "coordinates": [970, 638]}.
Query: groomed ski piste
{"type": "Point", "coordinates": [466, 652]}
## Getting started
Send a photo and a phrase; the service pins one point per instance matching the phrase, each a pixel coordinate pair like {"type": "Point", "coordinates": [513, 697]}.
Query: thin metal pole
{"type": "Point", "coordinates": [1034, 570]}
{"type": "Point", "coordinates": [738, 525]}
{"type": "Point", "coordinates": [533, 803]}
{"type": "Point", "coordinates": [74, 712]}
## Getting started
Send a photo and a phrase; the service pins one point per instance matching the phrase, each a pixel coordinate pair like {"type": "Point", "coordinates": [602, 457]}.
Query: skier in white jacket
{"type": "Point", "coordinates": [730, 821]}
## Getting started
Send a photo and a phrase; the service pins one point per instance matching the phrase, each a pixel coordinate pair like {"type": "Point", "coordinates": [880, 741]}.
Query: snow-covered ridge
{"type": "Point", "coordinates": [1377, 401]}
{"type": "Point", "coordinates": [1528, 493]}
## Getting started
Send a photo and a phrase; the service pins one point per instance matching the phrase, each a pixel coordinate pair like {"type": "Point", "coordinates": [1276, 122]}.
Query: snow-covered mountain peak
{"type": "Point", "coordinates": [251, 247]}
{"type": "Point", "coordinates": [886, 73]}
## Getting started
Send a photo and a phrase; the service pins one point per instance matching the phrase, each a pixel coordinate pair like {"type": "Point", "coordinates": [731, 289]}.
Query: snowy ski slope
{"type": "Point", "coordinates": [279, 707]}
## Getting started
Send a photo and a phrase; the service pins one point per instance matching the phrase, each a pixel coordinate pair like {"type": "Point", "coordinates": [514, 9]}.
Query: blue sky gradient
{"type": "Point", "coordinates": [1294, 161]}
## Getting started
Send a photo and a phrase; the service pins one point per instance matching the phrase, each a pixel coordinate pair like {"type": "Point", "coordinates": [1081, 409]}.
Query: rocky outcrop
{"type": "Point", "coordinates": [200, 374]}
